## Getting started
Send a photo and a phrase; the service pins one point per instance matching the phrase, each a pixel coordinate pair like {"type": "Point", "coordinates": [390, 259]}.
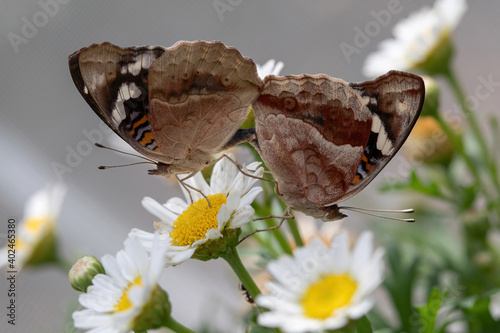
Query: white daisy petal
{"type": "Point", "coordinates": [416, 38]}
{"type": "Point", "coordinates": [248, 198]}
{"type": "Point", "coordinates": [176, 206]}
{"type": "Point", "coordinates": [213, 234]}
{"type": "Point", "coordinates": [223, 216]}
{"type": "Point", "coordinates": [199, 183]}
{"type": "Point", "coordinates": [271, 67]}
{"type": "Point", "coordinates": [158, 210]}
{"type": "Point", "coordinates": [128, 276]}
{"type": "Point", "coordinates": [229, 191]}
{"type": "Point", "coordinates": [242, 217]}
{"type": "Point", "coordinates": [163, 227]}
{"type": "Point", "coordinates": [177, 257]}
{"type": "Point", "coordinates": [37, 225]}
{"type": "Point", "coordinates": [293, 298]}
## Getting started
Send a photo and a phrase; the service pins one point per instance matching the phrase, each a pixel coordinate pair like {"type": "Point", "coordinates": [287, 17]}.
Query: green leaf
{"type": "Point", "coordinates": [428, 312]}
{"type": "Point", "coordinates": [479, 318]}
{"type": "Point", "coordinates": [363, 325]}
{"type": "Point", "coordinates": [399, 283]}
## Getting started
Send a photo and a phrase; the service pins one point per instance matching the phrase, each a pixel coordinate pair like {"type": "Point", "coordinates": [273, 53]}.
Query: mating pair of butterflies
{"type": "Point", "coordinates": [323, 139]}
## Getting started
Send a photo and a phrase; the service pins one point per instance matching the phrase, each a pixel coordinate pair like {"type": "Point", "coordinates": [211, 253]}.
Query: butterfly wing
{"type": "Point", "coordinates": [311, 132]}
{"type": "Point", "coordinates": [200, 93]}
{"type": "Point", "coordinates": [113, 81]}
{"type": "Point", "coordinates": [324, 139]}
{"type": "Point", "coordinates": [395, 101]}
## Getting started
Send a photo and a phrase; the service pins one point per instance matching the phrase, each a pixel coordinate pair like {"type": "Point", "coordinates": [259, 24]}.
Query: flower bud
{"type": "Point", "coordinates": [428, 143]}
{"type": "Point", "coordinates": [83, 271]}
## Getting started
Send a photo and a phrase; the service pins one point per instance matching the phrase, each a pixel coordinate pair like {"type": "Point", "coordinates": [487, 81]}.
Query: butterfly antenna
{"type": "Point", "coordinates": [125, 153]}
{"type": "Point", "coordinates": [104, 167]}
{"type": "Point", "coordinates": [368, 211]}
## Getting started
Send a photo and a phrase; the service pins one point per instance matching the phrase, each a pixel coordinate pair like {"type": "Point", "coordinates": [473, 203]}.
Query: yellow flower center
{"type": "Point", "coordinates": [33, 228]}
{"type": "Point", "coordinates": [124, 302]}
{"type": "Point", "coordinates": [196, 220]}
{"type": "Point", "coordinates": [35, 225]}
{"type": "Point", "coordinates": [327, 295]}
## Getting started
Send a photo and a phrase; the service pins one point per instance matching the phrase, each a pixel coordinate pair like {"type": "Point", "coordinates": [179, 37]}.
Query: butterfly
{"type": "Point", "coordinates": [178, 106]}
{"type": "Point", "coordinates": [324, 139]}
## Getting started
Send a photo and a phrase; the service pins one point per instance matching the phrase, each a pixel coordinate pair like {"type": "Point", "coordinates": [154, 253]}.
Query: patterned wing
{"type": "Point", "coordinates": [114, 82]}
{"type": "Point", "coordinates": [311, 132]}
{"type": "Point", "coordinates": [395, 100]}
{"type": "Point", "coordinates": [200, 93]}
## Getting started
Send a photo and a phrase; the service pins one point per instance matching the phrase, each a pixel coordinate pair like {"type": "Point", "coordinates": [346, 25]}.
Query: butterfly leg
{"type": "Point", "coordinates": [245, 173]}
{"type": "Point", "coordinates": [288, 215]}
{"type": "Point", "coordinates": [187, 187]}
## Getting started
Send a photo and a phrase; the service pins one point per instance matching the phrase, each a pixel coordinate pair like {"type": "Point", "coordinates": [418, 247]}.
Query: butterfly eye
{"type": "Point", "coordinates": [289, 103]}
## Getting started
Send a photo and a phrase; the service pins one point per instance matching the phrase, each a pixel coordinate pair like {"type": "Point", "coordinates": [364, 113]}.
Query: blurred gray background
{"type": "Point", "coordinates": [43, 117]}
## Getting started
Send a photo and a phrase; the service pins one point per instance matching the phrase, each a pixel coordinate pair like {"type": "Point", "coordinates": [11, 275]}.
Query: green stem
{"type": "Point", "coordinates": [458, 145]}
{"type": "Point", "coordinates": [294, 229]}
{"type": "Point", "coordinates": [474, 125]}
{"type": "Point", "coordinates": [279, 237]}
{"type": "Point", "coordinates": [177, 327]}
{"type": "Point", "coordinates": [265, 210]}
{"type": "Point", "coordinates": [233, 259]}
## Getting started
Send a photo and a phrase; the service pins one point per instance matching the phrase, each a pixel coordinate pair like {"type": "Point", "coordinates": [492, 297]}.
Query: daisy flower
{"type": "Point", "coordinates": [200, 227]}
{"type": "Point", "coordinates": [322, 288]}
{"type": "Point", "coordinates": [309, 230]}
{"type": "Point", "coordinates": [422, 41]}
{"type": "Point", "coordinates": [271, 67]}
{"type": "Point", "coordinates": [127, 297]}
{"type": "Point", "coordinates": [35, 240]}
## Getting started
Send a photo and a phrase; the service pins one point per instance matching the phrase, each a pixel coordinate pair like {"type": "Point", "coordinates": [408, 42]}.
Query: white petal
{"type": "Point", "coordinates": [223, 175]}
{"type": "Point", "coordinates": [199, 183]}
{"type": "Point", "coordinates": [164, 228]}
{"type": "Point", "coordinates": [223, 216]}
{"type": "Point", "coordinates": [213, 234]}
{"type": "Point", "coordinates": [361, 254]}
{"type": "Point", "coordinates": [358, 310]}
{"type": "Point", "coordinates": [158, 210]}
{"type": "Point", "coordinates": [250, 196]}
{"type": "Point", "coordinates": [340, 251]}
{"type": "Point", "coordinates": [177, 257]}
{"type": "Point", "coordinates": [494, 306]}
{"type": "Point", "coordinates": [176, 205]}
{"type": "Point", "coordinates": [241, 217]}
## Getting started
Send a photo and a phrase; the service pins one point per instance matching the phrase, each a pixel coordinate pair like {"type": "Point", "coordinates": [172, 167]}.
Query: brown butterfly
{"type": "Point", "coordinates": [324, 139]}
{"type": "Point", "coordinates": [179, 106]}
